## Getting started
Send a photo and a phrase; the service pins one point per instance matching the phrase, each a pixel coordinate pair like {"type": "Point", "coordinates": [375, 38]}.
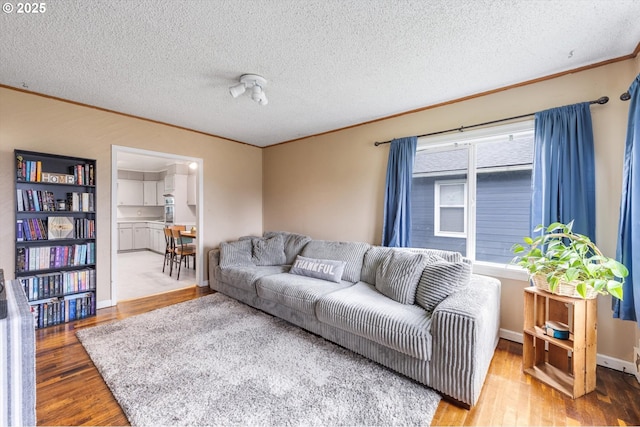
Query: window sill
{"type": "Point", "coordinates": [500, 271]}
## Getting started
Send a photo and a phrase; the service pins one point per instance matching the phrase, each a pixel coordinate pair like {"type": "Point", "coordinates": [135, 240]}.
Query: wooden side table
{"type": "Point", "coordinates": [569, 365]}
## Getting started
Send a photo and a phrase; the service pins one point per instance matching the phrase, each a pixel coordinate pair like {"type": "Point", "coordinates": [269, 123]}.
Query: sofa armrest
{"type": "Point", "coordinates": [465, 329]}
{"type": "Point", "coordinates": [214, 264]}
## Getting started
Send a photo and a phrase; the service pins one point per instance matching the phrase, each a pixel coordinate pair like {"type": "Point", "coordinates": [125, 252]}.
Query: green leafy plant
{"type": "Point", "coordinates": [561, 255]}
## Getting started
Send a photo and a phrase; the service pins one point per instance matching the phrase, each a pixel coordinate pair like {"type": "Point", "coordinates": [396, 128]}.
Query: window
{"type": "Point", "coordinates": [450, 208]}
{"type": "Point", "coordinates": [471, 192]}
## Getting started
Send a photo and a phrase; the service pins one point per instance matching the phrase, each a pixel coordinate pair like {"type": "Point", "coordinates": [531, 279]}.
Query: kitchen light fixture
{"type": "Point", "coordinates": [255, 83]}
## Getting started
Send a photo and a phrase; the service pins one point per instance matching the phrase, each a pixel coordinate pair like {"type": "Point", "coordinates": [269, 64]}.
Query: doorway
{"type": "Point", "coordinates": [137, 222]}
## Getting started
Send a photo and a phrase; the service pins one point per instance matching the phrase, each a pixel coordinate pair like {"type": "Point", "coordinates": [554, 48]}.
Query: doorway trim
{"type": "Point", "coordinates": [115, 150]}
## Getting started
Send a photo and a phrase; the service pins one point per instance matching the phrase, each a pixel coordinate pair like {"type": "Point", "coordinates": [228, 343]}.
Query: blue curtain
{"type": "Point", "coordinates": [396, 227]}
{"type": "Point", "coordinates": [628, 248]}
{"type": "Point", "coordinates": [563, 180]}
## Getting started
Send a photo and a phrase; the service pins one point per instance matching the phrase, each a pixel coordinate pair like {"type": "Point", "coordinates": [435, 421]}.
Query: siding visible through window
{"type": "Point", "coordinates": [494, 213]}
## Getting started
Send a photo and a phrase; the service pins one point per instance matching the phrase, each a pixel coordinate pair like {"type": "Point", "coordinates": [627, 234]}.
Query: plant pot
{"type": "Point", "coordinates": [567, 289]}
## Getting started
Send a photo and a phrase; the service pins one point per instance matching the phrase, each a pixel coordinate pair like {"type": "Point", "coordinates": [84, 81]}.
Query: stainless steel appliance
{"type": "Point", "coordinates": [169, 208]}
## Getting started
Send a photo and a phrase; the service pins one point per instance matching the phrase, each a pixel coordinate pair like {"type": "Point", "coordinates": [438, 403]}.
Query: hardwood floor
{"type": "Point", "coordinates": [70, 391]}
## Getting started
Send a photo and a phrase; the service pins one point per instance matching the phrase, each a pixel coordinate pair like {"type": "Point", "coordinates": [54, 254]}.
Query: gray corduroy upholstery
{"type": "Point", "coordinates": [298, 292]}
{"type": "Point", "coordinates": [350, 252]}
{"type": "Point", "coordinates": [449, 349]}
{"type": "Point", "coordinates": [245, 277]}
{"type": "Point", "coordinates": [362, 310]}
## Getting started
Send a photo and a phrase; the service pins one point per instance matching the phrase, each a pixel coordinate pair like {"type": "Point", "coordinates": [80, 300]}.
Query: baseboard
{"type": "Point", "coordinates": [104, 304]}
{"type": "Point", "coordinates": [511, 335]}
{"type": "Point", "coordinates": [601, 359]}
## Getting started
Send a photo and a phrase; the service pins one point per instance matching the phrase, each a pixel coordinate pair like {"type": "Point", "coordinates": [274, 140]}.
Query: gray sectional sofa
{"type": "Point", "coordinates": [420, 312]}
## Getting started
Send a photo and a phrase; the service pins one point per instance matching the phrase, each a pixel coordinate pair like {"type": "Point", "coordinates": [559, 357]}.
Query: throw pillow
{"type": "Point", "coordinates": [350, 252]}
{"type": "Point", "coordinates": [236, 253]}
{"type": "Point", "coordinates": [268, 251]}
{"type": "Point", "coordinates": [293, 243]}
{"type": "Point", "coordinates": [398, 274]}
{"type": "Point", "coordinates": [439, 280]}
{"type": "Point", "coordinates": [372, 259]}
{"type": "Point", "coordinates": [325, 269]}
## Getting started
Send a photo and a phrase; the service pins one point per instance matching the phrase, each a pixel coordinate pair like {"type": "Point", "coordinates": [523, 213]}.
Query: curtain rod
{"type": "Point", "coordinates": [601, 100]}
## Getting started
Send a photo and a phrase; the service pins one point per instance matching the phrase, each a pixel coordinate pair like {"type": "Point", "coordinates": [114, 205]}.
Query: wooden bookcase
{"type": "Point", "coordinates": [55, 230]}
{"type": "Point", "coordinates": [569, 365]}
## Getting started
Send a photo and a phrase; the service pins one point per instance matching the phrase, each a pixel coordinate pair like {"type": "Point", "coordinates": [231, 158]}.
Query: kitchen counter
{"type": "Point", "coordinates": [138, 219]}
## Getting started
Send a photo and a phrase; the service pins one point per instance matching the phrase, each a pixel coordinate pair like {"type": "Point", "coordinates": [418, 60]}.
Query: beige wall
{"type": "Point", "coordinates": [332, 186]}
{"type": "Point", "coordinates": [232, 172]}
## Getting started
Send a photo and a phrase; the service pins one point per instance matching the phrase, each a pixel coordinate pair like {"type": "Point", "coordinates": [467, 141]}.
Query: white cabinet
{"type": "Point", "coordinates": [150, 197]}
{"type": "Point", "coordinates": [130, 192]}
{"type": "Point", "coordinates": [160, 193]}
{"type": "Point", "coordinates": [191, 190]}
{"type": "Point", "coordinates": [125, 236]}
{"type": "Point", "coordinates": [140, 236]}
{"type": "Point", "coordinates": [169, 183]}
{"type": "Point", "coordinates": [156, 237]}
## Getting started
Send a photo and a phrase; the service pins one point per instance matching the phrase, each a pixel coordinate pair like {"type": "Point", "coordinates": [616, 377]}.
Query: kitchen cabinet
{"type": "Point", "coordinates": [150, 197]}
{"type": "Point", "coordinates": [130, 192]}
{"type": "Point", "coordinates": [191, 190]}
{"type": "Point", "coordinates": [160, 193]}
{"type": "Point", "coordinates": [156, 237]}
{"type": "Point", "coordinates": [169, 183]}
{"type": "Point", "coordinates": [140, 236]}
{"type": "Point", "coordinates": [125, 236]}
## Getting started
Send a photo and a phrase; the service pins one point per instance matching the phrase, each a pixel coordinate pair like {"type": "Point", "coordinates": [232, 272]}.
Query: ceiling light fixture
{"type": "Point", "coordinates": [255, 83]}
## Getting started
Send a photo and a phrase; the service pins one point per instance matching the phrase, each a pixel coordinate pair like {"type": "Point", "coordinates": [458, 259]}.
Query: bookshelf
{"type": "Point", "coordinates": [55, 235]}
{"type": "Point", "coordinates": [568, 365]}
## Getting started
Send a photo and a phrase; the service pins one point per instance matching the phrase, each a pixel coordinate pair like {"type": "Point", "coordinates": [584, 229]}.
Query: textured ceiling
{"type": "Point", "coordinates": [329, 63]}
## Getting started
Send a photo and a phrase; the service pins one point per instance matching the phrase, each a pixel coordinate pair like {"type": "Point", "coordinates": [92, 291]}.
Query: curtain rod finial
{"type": "Point", "coordinates": [603, 100]}
{"type": "Point", "coordinates": [625, 96]}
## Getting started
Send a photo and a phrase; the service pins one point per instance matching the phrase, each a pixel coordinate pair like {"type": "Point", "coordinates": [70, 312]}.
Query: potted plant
{"type": "Point", "coordinates": [567, 263]}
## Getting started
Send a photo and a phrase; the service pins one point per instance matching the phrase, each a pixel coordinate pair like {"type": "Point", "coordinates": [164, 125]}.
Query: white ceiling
{"type": "Point", "coordinates": [329, 63]}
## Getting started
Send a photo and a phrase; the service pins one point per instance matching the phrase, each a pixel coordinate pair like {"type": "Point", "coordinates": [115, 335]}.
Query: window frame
{"type": "Point", "coordinates": [437, 206]}
{"type": "Point", "coordinates": [469, 141]}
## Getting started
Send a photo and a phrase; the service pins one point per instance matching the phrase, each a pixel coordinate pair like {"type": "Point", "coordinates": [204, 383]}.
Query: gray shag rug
{"type": "Point", "coordinates": [216, 361]}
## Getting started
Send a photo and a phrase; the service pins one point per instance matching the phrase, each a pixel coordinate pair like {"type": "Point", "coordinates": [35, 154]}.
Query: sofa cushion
{"type": "Point", "coordinates": [350, 252]}
{"type": "Point", "coordinates": [236, 253]}
{"type": "Point", "coordinates": [293, 243]}
{"type": "Point", "coordinates": [244, 277]}
{"type": "Point", "coordinates": [440, 279]}
{"type": "Point", "coordinates": [297, 292]}
{"type": "Point", "coordinates": [398, 274]}
{"type": "Point", "coordinates": [268, 251]}
{"type": "Point", "coordinates": [362, 310]}
{"type": "Point", "coordinates": [372, 259]}
{"type": "Point", "coordinates": [325, 269]}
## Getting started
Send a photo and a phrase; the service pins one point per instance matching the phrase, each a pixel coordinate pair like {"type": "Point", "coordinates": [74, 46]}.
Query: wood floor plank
{"type": "Point", "coordinates": [70, 391]}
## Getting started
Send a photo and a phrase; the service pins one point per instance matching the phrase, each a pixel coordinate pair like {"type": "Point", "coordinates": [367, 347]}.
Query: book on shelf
{"type": "Point", "coordinates": [28, 200]}
{"type": "Point", "coordinates": [32, 171]}
{"type": "Point", "coordinates": [61, 227]}
{"type": "Point", "coordinates": [80, 202]}
{"type": "Point", "coordinates": [52, 257]}
{"type": "Point", "coordinates": [30, 229]}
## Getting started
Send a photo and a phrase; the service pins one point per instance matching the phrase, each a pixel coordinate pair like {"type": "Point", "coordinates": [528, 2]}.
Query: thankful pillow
{"type": "Point", "coordinates": [325, 269]}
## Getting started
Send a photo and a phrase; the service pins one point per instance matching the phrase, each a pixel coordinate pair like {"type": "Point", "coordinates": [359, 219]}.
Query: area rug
{"type": "Point", "coordinates": [216, 361]}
